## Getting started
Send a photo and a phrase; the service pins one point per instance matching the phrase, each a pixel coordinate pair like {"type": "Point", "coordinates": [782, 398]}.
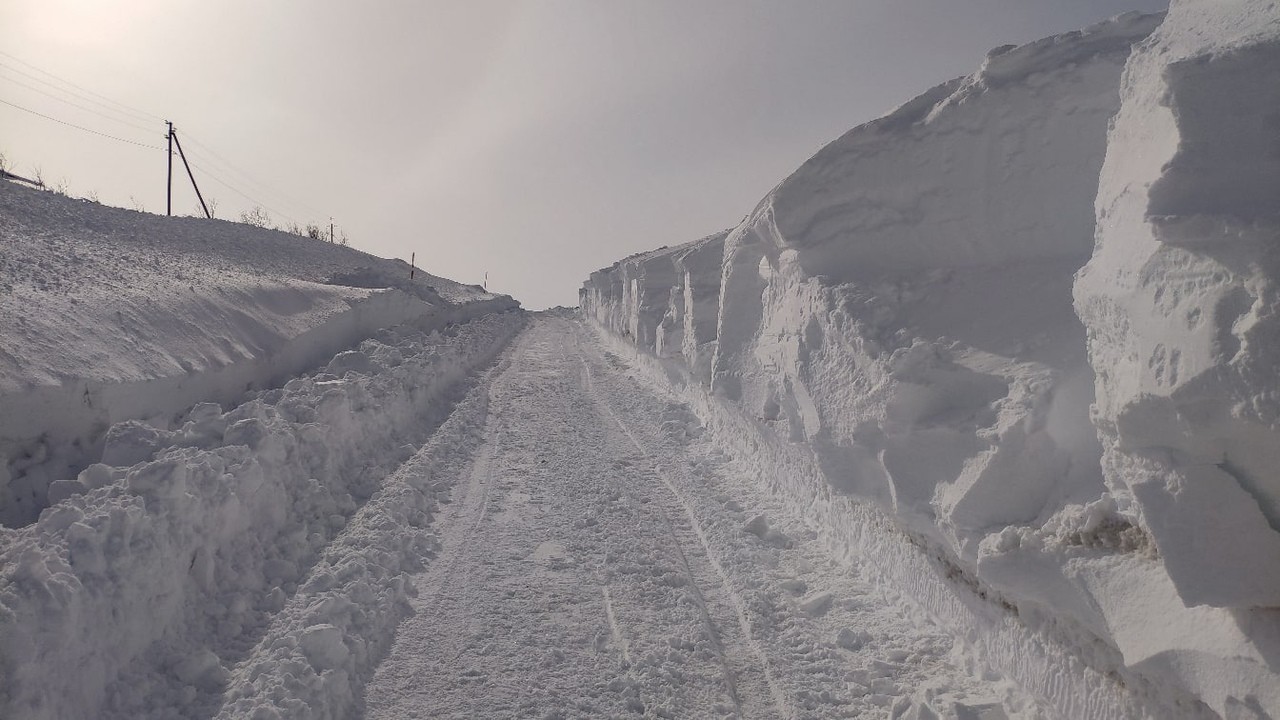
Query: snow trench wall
{"type": "Point", "coordinates": [897, 337]}
{"type": "Point", "coordinates": [149, 585]}
{"type": "Point", "coordinates": [50, 432]}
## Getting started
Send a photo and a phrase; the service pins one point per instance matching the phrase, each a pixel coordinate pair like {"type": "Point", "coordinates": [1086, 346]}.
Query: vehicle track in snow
{"type": "Point", "coordinates": [716, 582]}
{"type": "Point", "coordinates": [601, 558]}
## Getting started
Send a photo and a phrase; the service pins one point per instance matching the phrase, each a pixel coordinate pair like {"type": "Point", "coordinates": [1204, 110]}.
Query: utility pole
{"type": "Point", "coordinates": [168, 196]}
{"type": "Point", "coordinates": [412, 257]}
{"type": "Point", "coordinates": [330, 229]}
{"type": "Point", "coordinates": [174, 138]}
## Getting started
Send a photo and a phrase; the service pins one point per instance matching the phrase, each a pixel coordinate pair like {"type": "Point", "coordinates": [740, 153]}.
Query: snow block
{"type": "Point", "coordinates": [917, 331]}
{"type": "Point", "coordinates": [1181, 304]}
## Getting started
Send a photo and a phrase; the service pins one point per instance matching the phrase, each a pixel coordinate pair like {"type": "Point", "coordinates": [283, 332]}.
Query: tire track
{"type": "Point", "coordinates": [732, 599]}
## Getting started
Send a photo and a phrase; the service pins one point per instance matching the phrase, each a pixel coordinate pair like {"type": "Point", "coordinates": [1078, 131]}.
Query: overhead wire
{"type": "Point", "coordinates": [134, 113]}
{"type": "Point", "coordinates": [76, 105]}
{"type": "Point", "coordinates": [80, 127]}
{"type": "Point", "coordinates": [231, 169]}
{"type": "Point", "coordinates": [241, 193]}
{"type": "Point", "coordinates": [139, 114]}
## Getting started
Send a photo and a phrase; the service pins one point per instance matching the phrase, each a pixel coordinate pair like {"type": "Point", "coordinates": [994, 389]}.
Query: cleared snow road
{"type": "Point", "coordinates": [600, 558]}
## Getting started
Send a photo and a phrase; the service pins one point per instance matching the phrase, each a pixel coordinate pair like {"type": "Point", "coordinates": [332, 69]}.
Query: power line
{"type": "Point", "coordinates": [249, 179]}
{"type": "Point", "coordinates": [232, 169]}
{"type": "Point", "coordinates": [71, 93]}
{"type": "Point", "coordinates": [204, 169]}
{"type": "Point", "coordinates": [80, 127]}
{"type": "Point", "coordinates": [144, 115]}
{"type": "Point", "coordinates": [75, 105]}
{"type": "Point", "coordinates": [233, 189]}
{"type": "Point", "coordinates": [114, 106]}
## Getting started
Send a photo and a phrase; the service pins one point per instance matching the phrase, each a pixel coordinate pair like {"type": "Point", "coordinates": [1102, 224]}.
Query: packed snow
{"type": "Point", "coordinates": [973, 416]}
{"type": "Point", "coordinates": [602, 557]}
{"type": "Point", "coordinates": [1014, 344]}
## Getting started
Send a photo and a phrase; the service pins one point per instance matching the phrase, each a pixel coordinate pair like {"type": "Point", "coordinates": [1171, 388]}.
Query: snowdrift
{"type": "Point", "coordinates": [111, 315]}
{"type": "Point", "coordinates": [1016, 342]}
{"type": "Point", "coordinates": [204, 430]}
{"type": "Point", "coordinates": [248, 559]}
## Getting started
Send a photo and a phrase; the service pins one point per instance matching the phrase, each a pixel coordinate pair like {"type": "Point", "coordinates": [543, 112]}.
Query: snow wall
{"type": "Point", "coordinates": [250, 562]}
{"type": "Point", "coordinates": [110, 315]}
{"type": "Point", "coordinates": [1055, 426]}
{"type": "Point", "coordinates": [218, 458]}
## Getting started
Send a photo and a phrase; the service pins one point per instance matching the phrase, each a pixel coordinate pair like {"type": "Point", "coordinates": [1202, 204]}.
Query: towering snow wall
{"type": "Point", "coordinates": [898, 336]}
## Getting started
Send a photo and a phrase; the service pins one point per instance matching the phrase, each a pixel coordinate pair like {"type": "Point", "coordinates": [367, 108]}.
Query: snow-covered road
{"type": "Point", "coordinates": [600, 557]}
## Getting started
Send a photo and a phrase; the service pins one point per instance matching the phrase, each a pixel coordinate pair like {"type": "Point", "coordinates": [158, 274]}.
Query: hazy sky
{"type": "Point", "coordinates": [536, 141]}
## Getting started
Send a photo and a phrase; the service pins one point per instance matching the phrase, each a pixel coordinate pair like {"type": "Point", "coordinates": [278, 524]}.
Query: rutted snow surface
{"type": "Point", "coordinates": [601, 557]}
{"type": "Point", "coordinates": [570, 542]}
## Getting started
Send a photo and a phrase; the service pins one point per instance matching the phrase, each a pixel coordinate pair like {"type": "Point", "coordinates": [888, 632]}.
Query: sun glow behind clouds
{"type": "Point", "coordinates": [78, 26]}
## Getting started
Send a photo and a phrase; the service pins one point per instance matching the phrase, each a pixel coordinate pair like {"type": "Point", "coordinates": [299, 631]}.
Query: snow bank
{"type": "Point", "coordinates": [1180, 300]}
{"type": "Point", "coordinates": [136, 595]}
{"type": "Point", "coordinates": [111, 314]}
{"type": "Point", "coordinates": [898, 337]}
{"type": "Point", "coordinates": [321, 649]}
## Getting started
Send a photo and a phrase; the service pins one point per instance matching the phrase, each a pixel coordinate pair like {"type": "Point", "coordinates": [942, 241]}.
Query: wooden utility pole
{"type": "Point", "coordinates": [174, 138]}
{"type": "Point", "coordinates": [168, 195]}
{"type": "Point", "coordinates": [330, 229]}
{"type": "Point", "coordinates": [412, 257]}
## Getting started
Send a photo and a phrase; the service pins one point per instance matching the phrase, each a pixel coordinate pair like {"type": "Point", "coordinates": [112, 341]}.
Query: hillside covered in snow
{"type": "Point", "coordinates": [190, 412]}
{"type": "Point", "coordinates": [112, 314]}
{"type": "Point", "coordinates": [1014, 347]}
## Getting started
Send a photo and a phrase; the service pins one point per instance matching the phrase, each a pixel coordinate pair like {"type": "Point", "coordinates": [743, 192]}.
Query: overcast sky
{"type": "Point", "coordinates": [535, 141]}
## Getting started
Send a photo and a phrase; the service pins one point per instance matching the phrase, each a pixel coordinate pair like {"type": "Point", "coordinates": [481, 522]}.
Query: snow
{"type": "Point", "coordinates": [193, 411]}
{"type": "Point", "coordinates": [902, 343]}
{"type": "Point", "coordinates": [180, 555]}
{"type": "Point", "coordinates": [111, 315]}
{"type": "Point", "coordinates": [595, 562]}
{"type": "Point", "coordinates": [975, 415]}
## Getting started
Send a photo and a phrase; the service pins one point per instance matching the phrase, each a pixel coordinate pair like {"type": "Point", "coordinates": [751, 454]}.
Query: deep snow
{"type": "Point", "coordinates": [190, 412]}
{"type": "Point", "coordinates": [975, 415]}
{"type": "Point", "coordinates": [899, 335]}
{"type": "Point", "coordinates": [159, 570]}
{"type": "Point", "coordinates": [111, 314]}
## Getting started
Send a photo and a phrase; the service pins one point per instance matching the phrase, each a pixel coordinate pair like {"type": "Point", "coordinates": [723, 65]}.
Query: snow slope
{"type": "Point", "coordinates": [194, 417]}
{"type": "Point", "coordinates": [177, 565]}
{"type": "Point", "coordinates": [898, 334]}
{"type": "Point", "coordinates": [111, 314]}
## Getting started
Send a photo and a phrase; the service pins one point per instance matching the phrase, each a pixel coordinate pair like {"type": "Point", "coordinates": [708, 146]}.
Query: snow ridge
{"type": "Point", "coordinates": [897, 333]}
{"type": "Point", "coordinates": [152, 576]}
{"type": "Point", "coordinates": [112, 315]}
